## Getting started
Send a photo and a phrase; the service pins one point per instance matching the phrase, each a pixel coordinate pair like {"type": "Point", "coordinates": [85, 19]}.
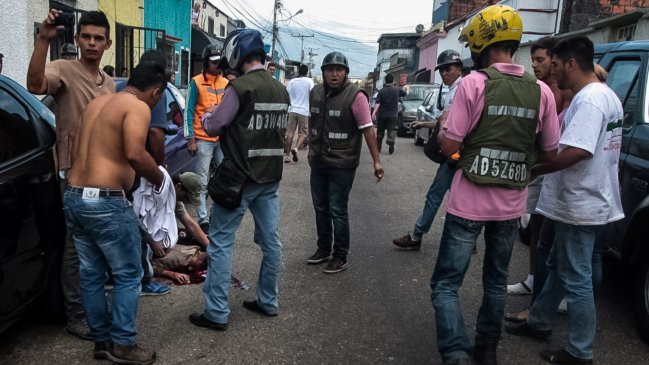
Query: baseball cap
{"type": "Point", "coordinates": [192, 183]}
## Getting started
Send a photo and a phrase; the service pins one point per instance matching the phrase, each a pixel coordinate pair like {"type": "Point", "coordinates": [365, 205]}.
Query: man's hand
{"type": "Point", "coordinates": [192, 146]}
{"type": "Point", "coordinates": [48, 30]}
{"type": "Point", "coordinates": [158, 249]}
{"type": "Point", "coordinates": [378, 171]}
{"type": "Point", "coordinates": [181, 278]}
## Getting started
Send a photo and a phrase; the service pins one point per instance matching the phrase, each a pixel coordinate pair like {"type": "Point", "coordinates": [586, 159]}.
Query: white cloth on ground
{"type": "Point", "coordinates": [156, 209]}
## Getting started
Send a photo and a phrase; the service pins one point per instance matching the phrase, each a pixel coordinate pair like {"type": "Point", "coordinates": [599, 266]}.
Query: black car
{"type": "Point", "coordinates": [628, 64]}
{"type": "Point", "coordinates": [31, 214]}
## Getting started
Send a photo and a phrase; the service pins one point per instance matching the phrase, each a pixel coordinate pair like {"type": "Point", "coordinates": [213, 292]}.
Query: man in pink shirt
{"type": "Point", "coordinates": [502, 122]}
{"type": "Point", "coordinates": [340, 119]}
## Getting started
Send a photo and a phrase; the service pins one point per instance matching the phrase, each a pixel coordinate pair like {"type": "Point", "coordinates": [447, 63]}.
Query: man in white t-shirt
{"type": "Point", "coordinates": [579, 195]}
{"type": "Point", "coordinates": [298, 113]}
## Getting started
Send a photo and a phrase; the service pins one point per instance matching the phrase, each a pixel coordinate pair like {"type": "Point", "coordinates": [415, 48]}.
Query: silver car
{"type": "Point", "coordinates": [430, 109]}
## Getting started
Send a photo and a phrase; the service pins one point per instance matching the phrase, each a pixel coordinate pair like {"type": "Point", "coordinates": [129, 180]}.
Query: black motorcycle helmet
{"type": "Point", "coordinates": [335, 58]}
{"type": "Point", "coordinates": [210, 53]}
{"type": "Point", "coordinates": [448, 57]}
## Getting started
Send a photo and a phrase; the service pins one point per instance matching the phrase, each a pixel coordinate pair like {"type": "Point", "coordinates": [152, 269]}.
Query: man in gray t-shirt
{"type": "Point", "coordinates": [387, 108]}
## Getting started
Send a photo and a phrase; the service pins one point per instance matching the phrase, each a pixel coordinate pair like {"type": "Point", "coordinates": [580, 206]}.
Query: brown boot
{"type": "Point", "coordinates": [407, 243]}
{"type": "Point", "coordinates": [132, 355]}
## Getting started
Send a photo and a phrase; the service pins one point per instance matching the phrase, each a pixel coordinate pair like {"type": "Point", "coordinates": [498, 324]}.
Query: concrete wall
{"type": "Point", "coordinates": [17, 41]}
{"type": "Point", "coordinates": [219, 18]}
{"type": "Point", "coordinates": [127, 12]}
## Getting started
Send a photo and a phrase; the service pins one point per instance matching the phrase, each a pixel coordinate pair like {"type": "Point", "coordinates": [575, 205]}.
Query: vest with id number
{"type": "Point", "coordinates": [255, 138]}
{"type": "Point", "coordinates": [333, 132]}
{"type": "Point", "coordinates": [502, 148]}
{"type": "Point", "coordinates": [210, 92]}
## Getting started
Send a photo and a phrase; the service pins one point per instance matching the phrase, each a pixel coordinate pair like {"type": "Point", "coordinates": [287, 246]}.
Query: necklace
{"type": "Point", "coordinates": [103, 78]}
{"type": "Point", "coordinates": [130, 91]}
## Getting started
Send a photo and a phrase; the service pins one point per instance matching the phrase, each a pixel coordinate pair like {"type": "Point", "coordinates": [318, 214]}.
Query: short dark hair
{"type": "Point", "coordinates": [546, 43]}
{"type": "Point", "coordinates": [580, 48]}
{"type": "Point", "coordinates": [146, 75]}
{"type": "Point", "coordinates": [389, 79]}
{"type": "Point", "coordinates": [154, 56]}
{"type": "Point", "coordinates": [303, 70]}
{"type": "Point", "coordinates": [109, 70]}
{"type": "Point", "coordinates": [271, 64]}
{"type": "Point", "coordinates": [257, 56]}
{"type": "Point", "coordinates": [96, 18]}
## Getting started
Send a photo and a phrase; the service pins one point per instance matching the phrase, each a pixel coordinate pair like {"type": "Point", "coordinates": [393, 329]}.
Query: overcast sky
{"type": "Point", "coordinates": [361, 20]}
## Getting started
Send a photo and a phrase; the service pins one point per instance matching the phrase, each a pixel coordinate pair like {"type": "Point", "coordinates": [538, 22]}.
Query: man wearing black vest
{"type": "Point", "coordinates": [340, 118]}
{"type": "Point", "coordinates": [251, 120]}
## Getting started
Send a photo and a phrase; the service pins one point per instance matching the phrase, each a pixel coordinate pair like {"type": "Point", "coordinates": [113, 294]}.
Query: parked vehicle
{"type": "Point", "coordinates": [415, 94]}
{"type": "Point", "coordinates": [430, 110]}
{"type": "Point", "coordinates": [627, 64]}
{"type": "Point", "coordinates": [31, 211]}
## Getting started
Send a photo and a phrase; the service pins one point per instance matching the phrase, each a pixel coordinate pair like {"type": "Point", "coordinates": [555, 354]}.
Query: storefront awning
{"type": "Point", "coordinates": [202, 39]}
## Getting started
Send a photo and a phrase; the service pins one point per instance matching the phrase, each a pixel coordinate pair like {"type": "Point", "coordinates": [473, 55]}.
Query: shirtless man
{"type": "Point", "coordinates": [110, 150]}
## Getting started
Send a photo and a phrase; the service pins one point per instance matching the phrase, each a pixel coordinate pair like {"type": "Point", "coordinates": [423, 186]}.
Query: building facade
{"type": "Point", "coordinates": [126, 17]}
{"type": "Point", "coordinates": [396, 55]}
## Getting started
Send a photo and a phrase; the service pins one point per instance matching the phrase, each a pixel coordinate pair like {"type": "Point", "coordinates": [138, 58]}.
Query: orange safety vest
{"type": "Point", "coordinates": [210, 92]}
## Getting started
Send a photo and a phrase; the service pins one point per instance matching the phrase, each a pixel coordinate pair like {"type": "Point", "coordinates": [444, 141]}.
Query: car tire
{"type": "Point", "coordinates": [418, 140]}
{"type": "Point", "coordinates": [641, 295]}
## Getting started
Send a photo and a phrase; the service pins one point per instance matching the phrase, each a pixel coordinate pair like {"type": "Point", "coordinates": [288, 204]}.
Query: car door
{"type": "Point", "coordinates": [177, 157]}
{"type": "Point", "coordinates": [31, 216]}
{"type": "Point", "coordinates": [627, 78]}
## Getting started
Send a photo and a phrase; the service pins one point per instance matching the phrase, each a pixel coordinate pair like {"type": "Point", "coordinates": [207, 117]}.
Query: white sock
{"type": "Point", "coordinates": [529, 281]}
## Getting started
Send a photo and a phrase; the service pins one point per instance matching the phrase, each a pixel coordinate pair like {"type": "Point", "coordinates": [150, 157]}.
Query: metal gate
{"type": "Point", "coordinates": [132, 42]}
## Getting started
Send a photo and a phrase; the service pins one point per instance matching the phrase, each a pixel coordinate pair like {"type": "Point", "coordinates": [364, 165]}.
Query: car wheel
{"type": "Point", "coordinates": [524, 229]}
{"type": "Point", "coordinates": [418, 140]}
{"type": "Point", "coordinates": [401, 131]}
{"type": "Point", "coordinates": [641, 295]}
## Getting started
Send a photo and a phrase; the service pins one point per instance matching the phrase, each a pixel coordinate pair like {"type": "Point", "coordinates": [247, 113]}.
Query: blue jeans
{"type": "Point", "coordinates": [263, 202]}
{"type": "Point", "coordinates": [205, 154]}
{"type": "Point", "coordinates": [570, 276]}
{"type": "Point", "coordinates": [106, 234]}
{"type": "Point", "coordinates": [330, 187]}
{"type": "Point", "coordinates": [434, 197]}
{"type": "Point", "coordinates": [458, 240]}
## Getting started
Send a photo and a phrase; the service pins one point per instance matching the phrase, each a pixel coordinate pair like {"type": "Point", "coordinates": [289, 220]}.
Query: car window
{"type": "Point", "coordinates": [630, 106]}
{"type": "Point", "coordinates": [173, 111]}
{"type": "Point", "coordinates": [621, 76]}
{"type": "Point", "coordinates": [17, 130]}
{"type": "Point", "coordinates": [417, 92]}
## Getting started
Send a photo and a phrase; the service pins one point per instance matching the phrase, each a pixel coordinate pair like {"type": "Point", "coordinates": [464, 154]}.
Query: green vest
{"type": "Point", "coordinates": [333, 132]}
{"type": "Point", "coordinates": [502, 148]}
{"type": "Point", "coordinates": [255, 139]}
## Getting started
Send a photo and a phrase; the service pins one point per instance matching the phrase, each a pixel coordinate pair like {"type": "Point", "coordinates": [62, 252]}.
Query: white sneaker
{"type": "Point", "coordinates": [563, 306]}
{"type": "Point", "coordinates": [519, 289]}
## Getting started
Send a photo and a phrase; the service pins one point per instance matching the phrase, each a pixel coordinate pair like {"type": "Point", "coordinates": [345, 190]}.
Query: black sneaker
{"type": "Point", "coordinates": [334, 266]}
{"type": "Point", "coordinates": [318, 257]}
{"type": "Point", "coordinates": [391, 149]}
{"type": "Point", "coordinates": [525, 330]}
{"type": "Point", "coordinates": [253, 305]}
{"type": "Point", "coordinates": [294, 153]}
{"type": "Point", "coordinates": [80, 329]}
{"type": "Point", "coordinates": [199, 320]}
{"type": "Point", "coordinates": [562, 357]}
{"type": "Point", "coordinates": [485, 354]}
{"type": "Point", "coordinates": [132, 355]}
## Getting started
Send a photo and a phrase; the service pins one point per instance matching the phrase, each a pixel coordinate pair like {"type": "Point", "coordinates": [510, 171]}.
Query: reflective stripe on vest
{"type": "Point", "coordinates": [334, 113]}
{"type": "Point", "coordinates": [338, 135]}
{"type": "Point", "coordinates": [265, 152]}
{"type": "Point", "coordinates": [271, 107]}
{"type": "Point", "coordinates": [512, 111]}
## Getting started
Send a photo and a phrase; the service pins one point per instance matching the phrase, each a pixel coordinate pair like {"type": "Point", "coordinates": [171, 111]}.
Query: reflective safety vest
{"type": "Point", "coordinates": [333, 131]}
{"type": "Point", "coordinates": [255, 138]}
{"type": "Point", "coordinates": [210, 92]}
{"type": "Point", "coordinates": [503, 147]}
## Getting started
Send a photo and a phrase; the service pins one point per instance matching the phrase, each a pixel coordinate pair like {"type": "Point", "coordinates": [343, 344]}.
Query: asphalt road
{"type": "Point", "coordinates": [376, 312]}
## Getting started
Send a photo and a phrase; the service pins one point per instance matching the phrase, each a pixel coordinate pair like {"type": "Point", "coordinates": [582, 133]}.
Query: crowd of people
{"type": "Point", "coordinates": [546, 144]}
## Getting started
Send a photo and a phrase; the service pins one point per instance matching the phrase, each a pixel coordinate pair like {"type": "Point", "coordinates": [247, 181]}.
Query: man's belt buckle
{"type": "Point", "coordinates": [90, 194]}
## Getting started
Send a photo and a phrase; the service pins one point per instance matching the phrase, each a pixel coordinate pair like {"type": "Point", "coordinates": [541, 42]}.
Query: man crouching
{"type": "Point", "coordinates": [110, 150]}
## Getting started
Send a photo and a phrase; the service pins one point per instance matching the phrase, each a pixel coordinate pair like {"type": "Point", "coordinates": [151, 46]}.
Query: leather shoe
{"type": "Point", "coordinates": [198, 319]}
{"type": "Point", "coordinates": [525, 330]}
{"type": "Point", "coordinates": [254, 306]}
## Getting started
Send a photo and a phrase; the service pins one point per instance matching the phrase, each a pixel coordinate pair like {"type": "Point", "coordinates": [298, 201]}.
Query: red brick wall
{"type": "Point", "coordinates": [459, 8]}
{"type": "Point", "coordinates": [578, 13]}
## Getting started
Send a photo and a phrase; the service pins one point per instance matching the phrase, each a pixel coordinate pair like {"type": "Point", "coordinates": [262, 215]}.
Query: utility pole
{"type": "Point", "coordinates": [276, 7]}
{"type": "Point", "coordinates": [302, 37]}
{"type": "Point", "coordinates": [311, 55]}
